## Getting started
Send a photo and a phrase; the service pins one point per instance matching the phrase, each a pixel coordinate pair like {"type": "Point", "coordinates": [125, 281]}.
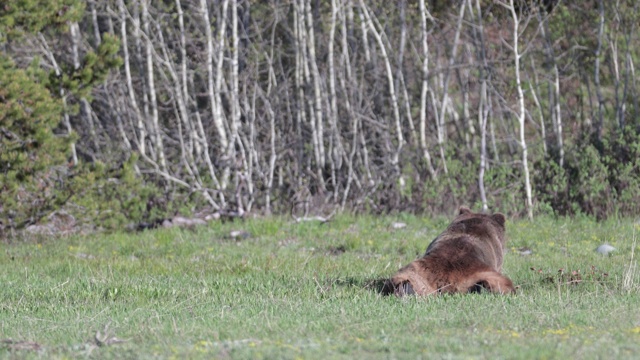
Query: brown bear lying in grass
{"type": "Point", "coordinates": [465, 258]}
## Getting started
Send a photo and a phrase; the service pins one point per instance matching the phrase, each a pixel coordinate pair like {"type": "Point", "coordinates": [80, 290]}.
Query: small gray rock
{"type": "Point", "coordinates": [239, 234]}
{"type": "Point", "coordinates": [398, 225]}
{"type": "Point", "coordinates": [605, 249]}
{"type": "Point", "coordinates": [525, 251]}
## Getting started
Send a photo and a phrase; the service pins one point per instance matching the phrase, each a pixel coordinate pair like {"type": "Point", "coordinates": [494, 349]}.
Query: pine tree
{"type": "Point", "coordinates": [32, 157]}
{"type": "Point", "coordinates": [36, 177]}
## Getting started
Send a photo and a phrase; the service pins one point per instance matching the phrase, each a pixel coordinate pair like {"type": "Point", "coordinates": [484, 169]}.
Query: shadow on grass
{"type": "Point", "coordinates": [381, 286]}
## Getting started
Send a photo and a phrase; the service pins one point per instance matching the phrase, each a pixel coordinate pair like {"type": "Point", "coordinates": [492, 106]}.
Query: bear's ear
{"type": "Point", "coordinates": [499, 218]}
{"type": "Point", "coordinates": [464, 210]}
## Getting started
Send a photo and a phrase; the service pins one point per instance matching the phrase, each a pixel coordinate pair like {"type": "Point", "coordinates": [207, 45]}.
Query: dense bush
{"type": "Point", "coordinates": [600, 179]}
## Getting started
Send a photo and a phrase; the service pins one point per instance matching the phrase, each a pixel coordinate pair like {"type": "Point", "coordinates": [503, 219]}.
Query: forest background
{"type": "Point", "coordinates": [125, 112]}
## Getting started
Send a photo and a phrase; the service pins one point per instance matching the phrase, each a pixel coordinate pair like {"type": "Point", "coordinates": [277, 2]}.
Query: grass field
{"type": "Point", "coordinates": [309, 290]}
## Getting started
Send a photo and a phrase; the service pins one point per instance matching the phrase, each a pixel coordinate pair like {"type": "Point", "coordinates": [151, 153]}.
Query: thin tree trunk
{"type": "Point", "coordinates": [307, 76]}
{"type": "Point", "coordinates": [338, 151]}
{"type": "Point", "coordinates": [557, 114]}
{"type": "Point", "coordinates": [365, 40]}
{"type": "Point", "coordinates": [299, 87]}
{"type": "Point", "coordinates": [392, 93]}
{"type": "Point", "coordinates": [483, 105]}
{"type": "Point", "coordinates": [211, 92]}
{"type": "Point", "coordinates": [86, 108]}
{"type": "Point", "coordinates": [157, 132]}
{"type": "Point", "coordinates": [482, 117]}
{"type": "Point", "coordinates": [533, 86]}
{"type": "Point", "coordinates": [63, 96]}
{"type": "Point", "coordinates": [600, 116]}
{"type": "Point", "coordinates": [235, 108]}
{"type": "Point", "coordinates": [492, 131]}
{"type": "Point", "coordinates": [347, 79]}
{"type": "Point", "coordinates": [140, 140]}
{"type": "Point", "coordinates": [521, 109]}
{"type": "Point", "coordinates": [424, 14]}
{"type": "Point", "coordinates": [315, 102]}
{"type": "Point", "coordinates": [193, 143]}
{"type": "Point", "coordinates": [467, 124]}
{"type": "Point", "coordinates": [218, 113]}
{"type": "Point", "coordinates": [115, 99]}
{"type": "Point", "coordinates": [400, 83]}
{"type": "Point", "coordinates": [445, 87]}
{"type": "Point", "coordinates": [96, 26]}
{"type": "Point", "coordinates": [628, 68]}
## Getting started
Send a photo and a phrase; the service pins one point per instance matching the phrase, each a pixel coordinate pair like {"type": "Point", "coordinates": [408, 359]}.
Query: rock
{"type": "Point", "coordinates": [239, 234]}
{"type": "Point", "coordinates": [85, 256]}
{"type": "Point", "coordinates": [605, 249]}
{"type": "Point", "coordinates": [211, 217]}
{"type": "Point", "coordinates": [187, 222]}
{"type": "Point", "coordinates": [181, 221]}
{"type": "Point", "coordinates": [166, 223]}
{"type": "Point", "coordinates": [398, 225]}
{"type": "Point", "coordinates": [524, 251]}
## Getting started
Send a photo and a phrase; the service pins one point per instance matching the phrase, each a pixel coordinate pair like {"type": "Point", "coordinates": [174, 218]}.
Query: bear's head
{"type": "Point", "coordinates": [482, 225]}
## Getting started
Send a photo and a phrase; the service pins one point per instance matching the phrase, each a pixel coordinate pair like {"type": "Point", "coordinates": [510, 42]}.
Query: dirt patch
{"type": "Point", "coordinates": [336, 250]}
{"type": "Point", "coordinates": [15, 345]}
{"type": "Point", "coordinates": [572, 277]}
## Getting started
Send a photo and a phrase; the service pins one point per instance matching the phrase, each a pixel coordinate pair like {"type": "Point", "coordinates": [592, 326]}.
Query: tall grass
{"type": "Point", "coordinates": [629, 283]}
{"type": "Point", "coordinates": [309, 290]}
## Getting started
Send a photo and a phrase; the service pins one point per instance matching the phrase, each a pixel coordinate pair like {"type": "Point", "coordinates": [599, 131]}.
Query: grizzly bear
{"type": "Point", "coordinates": [465, 258]}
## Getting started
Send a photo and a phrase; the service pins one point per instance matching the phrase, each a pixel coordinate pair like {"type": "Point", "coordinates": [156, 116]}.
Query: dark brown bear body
{"type": "Point", "coordinates": [466, 257]}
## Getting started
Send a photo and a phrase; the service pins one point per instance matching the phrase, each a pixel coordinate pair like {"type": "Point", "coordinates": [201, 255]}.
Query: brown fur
{"type": "Point", "coordinates": [466, 257]}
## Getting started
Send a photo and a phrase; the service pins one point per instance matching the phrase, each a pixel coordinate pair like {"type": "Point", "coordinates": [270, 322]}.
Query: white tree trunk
{"type": "Point", "coordinates": [600, 121]}
{"type": "Point", "coordinates": [241, 175]}
{"type": "Point", "coordinates": [483, 104]}
{"type": "Point", "coordinates": [193, 143]}
{"type": "Point", "coordinates": [445, 87]}
{"type": "Point", "coordinates": [315, 76]}
{"type": "Point", "coordinates": [140, 140]}
{"type": "Point", "coordinates": [63, 96]}
{"type": "Point", "coordinates": [521, 109]}
{"type": "Point", "coordinates": [213, 89]}
{"type": "Point", "coordinates": [392, 92]}
{"type": "Point", "coordinates": [482, 117]}
{"type": "Point", "coordinates": [153, 103]}
{"type": "Point", "coordinates": [333, 118]}
{"type": "Point", "coordinates": [533, 85]}
{"type": "Point", "coordinates": [425, 89]}
{"type": "Point", "coordinates": [218, 114]}
{"type": "Point", "coordinates": [556, 110]}
{"type": "Point", "coordinates": [558, 113]}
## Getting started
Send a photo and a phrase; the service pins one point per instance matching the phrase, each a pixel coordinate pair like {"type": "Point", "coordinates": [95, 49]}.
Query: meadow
{"type": "Point", "coordinates": [287, 290]}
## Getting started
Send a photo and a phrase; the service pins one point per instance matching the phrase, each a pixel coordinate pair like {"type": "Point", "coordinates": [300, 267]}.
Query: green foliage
{"type": "Point", "coordinates": [286, 293]}
{"type": "Point", "coordinates": [18, 17]}
{"type": "Point", "coordinates": [503, 185]}
{"type": "Point", "coordinates": [582, 186]}
{"type": "Point", "coordinates": [453, 189]}
{"type": "Point", "coordinates": [623, 162]}
{"type": "Point", "coordinates": [94, 69]}
{"type": "Point", "coordinates": [550, 181]}
{"type": "Point", "coordinates": [35, 175]}
{"type": "Point", "coordinates": [32, 158]}
{"type": "Point", "coordinates": [505, 188]}
{"type": "Point", "coordinates": [117, 197]}
{"type": "Point", "coordinates": [600, 180]}
{"type": "Point", "coordinates": [588, 186]}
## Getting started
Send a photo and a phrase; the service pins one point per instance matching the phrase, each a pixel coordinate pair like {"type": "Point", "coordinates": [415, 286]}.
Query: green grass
{"type": "Point", "coordinates": [308, 290]}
